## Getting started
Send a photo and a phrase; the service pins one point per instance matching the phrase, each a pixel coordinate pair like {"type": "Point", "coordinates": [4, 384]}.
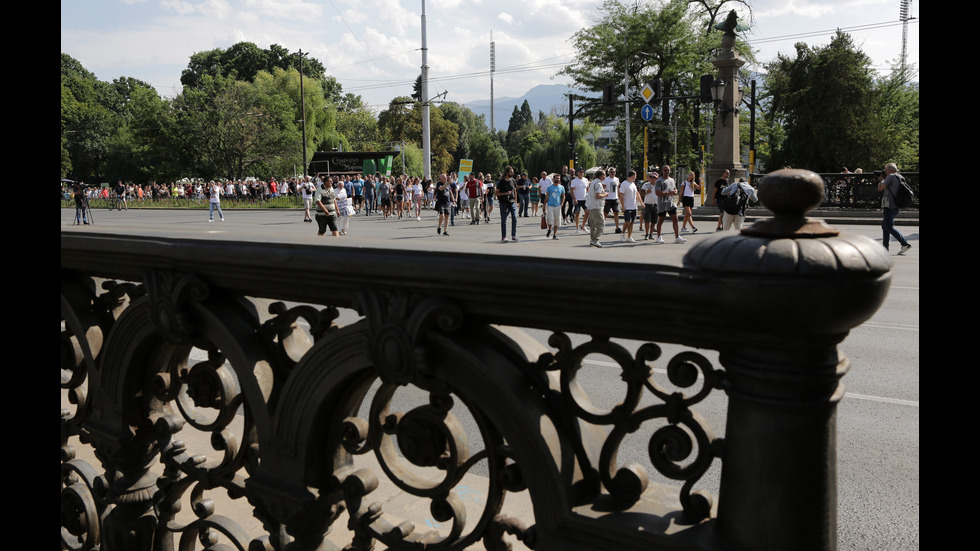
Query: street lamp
{"type": "Point", "coordinates": [718, 96]}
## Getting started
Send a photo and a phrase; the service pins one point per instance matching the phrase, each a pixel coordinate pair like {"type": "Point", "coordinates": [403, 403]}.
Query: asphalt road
{"type": "Point", "coordinates": [878, 418]}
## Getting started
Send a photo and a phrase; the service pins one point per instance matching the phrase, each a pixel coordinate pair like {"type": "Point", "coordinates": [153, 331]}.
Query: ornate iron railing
{"type": "Point", "coordinates": [856, 191]}
{"type": "Point", "coordinates": [293, 404]}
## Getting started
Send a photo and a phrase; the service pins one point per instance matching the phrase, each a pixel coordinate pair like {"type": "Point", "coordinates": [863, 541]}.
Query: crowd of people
{"type": "Point", "coordinates": [561, 199]}
{"type": "Point", "coordinates": [247, 191]}
{"type": "Point", "coordinates": [583, 202]}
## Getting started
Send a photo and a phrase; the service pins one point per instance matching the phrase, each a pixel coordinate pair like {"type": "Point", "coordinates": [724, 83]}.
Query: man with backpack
{"type": "Point", "coordinates": [734, 200]}
{"type": "Point", "coordinates": [896, 195]}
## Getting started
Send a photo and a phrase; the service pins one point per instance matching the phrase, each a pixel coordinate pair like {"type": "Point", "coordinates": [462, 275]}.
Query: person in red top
{"type": "Point", "coordinates": [473, 195]}
{"type": "Point", "coordinates": [273, 188]}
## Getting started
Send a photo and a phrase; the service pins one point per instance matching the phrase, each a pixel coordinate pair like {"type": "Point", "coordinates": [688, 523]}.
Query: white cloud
{"type": "Point", "coordinates": [178, 6]}
{"type": "Point", "coordinates": [373, 47]}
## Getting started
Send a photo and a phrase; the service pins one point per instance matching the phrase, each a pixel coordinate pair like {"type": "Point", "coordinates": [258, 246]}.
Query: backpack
{"type": "Point", "coordinates": [734, 203]}
{"type": "Point", "coordinates": [902, 199]}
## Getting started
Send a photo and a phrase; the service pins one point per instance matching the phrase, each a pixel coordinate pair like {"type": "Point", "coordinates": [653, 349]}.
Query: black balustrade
{"type": "Point", "coordinates": [856, 190]}
{"type": "Point", "coordinates": [162, 338]}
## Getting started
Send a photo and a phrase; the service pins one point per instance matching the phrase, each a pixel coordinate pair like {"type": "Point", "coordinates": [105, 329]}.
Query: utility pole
{"type": "Point", "coordinates": [426, 142]}
{"type": "Point", "coordinates": [302, 103]}
{"type": "Point", "coordinates": [903, 15]}
{"type": "Point", "coordinates": [626, 106]}
{"type": "Point", "coordinates": [493, 67]}
{"type": "Point", "coordinates": [571, 135]}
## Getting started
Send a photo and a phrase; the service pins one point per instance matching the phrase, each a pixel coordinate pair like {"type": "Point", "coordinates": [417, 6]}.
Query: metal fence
{"type": "Point", "coordinates": [291, 403]}
{"type": "Point", "coordinates": [857, 191]}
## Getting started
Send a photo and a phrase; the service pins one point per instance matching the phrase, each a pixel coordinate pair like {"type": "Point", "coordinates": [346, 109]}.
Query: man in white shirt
{"type": "Point", "coordinates": [629, 197]}
{"type": "Point", "coordinates": [594, 200]}
{"type": "Point", "coordinates": [579, 188]}
{"type": "Point", "coordinates": [666, 190]}
{"type": "Point", "coordinates": [649, 205]}
{"type": "Point", "coordinates": [611, 183]}
{"type": "Point", "coordinates": [306, 189]}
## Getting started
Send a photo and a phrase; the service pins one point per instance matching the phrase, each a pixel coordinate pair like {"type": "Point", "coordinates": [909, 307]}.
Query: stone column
{"type": "Point", "coordinates": [727, 150]}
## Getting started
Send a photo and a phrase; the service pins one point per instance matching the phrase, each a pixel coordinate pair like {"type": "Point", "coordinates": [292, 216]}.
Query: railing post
{"type": "Point", "coordinates": [792, 288]}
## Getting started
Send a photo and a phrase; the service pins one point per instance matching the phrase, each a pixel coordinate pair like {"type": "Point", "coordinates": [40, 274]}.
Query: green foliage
{"type": "Point", "coordinates": [665, 41]}
{"type": "Point", "coordinates": [307, 102]}
{"type": "Point", "coordinates": [835, 113]}
{"type": "Point", "coordinates": [545, 149]}
{"type": "Point", "coordinates": [402, 121]}
{"type": "Point", "coordinates": [359, 129]}
{"type": "Point", "coordinates": [243, 61]}
{"type": "Point", "coordinates": [235, 128]}
{"type": "Point", "coordinates": [86, 124]}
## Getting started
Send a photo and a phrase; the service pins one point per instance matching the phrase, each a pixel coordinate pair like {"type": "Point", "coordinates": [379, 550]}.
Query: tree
{"type": "Point", "coordinates": [644, 42]}
{"type": "Point", "coordinates": [231, 128]}
{"type": "Point", "coordinates": [832, 109]}
{"type": "Point", "coordinates": [520, 118]}
{"type": "Point", "coordinates": [402, 120]}
{"type": "Point", "coordinates": [469, 126]}
{"type": "Point", "coordinates": [320, 115]}
{"type": "Point", "coordinates": [359, 129]}
{"type": "Point", "coordinates": [244, 60]}
{"type": "Point", "coordinates": [86, 124]}
{"type": "Point", "coordinates": [896, 121]}
{"type": "Point", "coordinates": [546, 147]}
{"type": "Point", "coordinates": [417, 89]}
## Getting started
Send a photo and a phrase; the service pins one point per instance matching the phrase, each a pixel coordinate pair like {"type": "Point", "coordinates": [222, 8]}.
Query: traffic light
{"type": "Point", "coordinates": [653, 139]}
{"type": "Point", "coordinates": [607, 93]}
{"type": "Point", "coordinates": [706, 82]}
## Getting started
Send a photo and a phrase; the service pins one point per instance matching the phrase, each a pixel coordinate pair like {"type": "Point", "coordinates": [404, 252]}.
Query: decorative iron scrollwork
{"type": "Point", "coordinates": [398, 321]}
{"type": "Point", "coordinates": [169, 292]}
{"type": "Point", "coordinates": [429, 439]}
{"type": "Point", "coordinates": [681, 450]}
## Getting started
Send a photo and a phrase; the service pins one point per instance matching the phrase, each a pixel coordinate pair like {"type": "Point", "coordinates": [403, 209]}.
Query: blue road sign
{"type": "Point", "coordinates": [646, 112]}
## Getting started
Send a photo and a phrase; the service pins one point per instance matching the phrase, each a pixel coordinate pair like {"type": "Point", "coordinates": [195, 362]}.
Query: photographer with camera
{"type": "Point", "coordinates": [81, 205]}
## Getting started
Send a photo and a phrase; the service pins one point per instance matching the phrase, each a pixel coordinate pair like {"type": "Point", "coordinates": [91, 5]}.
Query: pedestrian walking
{"type": "Point", "coordinates": [553, 208]}
{"type": "Point", "coordinates": [595, 199]}
{"type": "Point", "coordinates": [688, 187]}
{"type": "Point", "coordinates": [665, 190]}
{"type": "Point", "coordinates": [745, 194]}
{"type": "Point", "coordinates": [306, 189]}
{"type": "Point", "coordinates": [214, 201]}
{"type": "Point", "coordinates": [506, 193]}
{"type": "Point", "coordinates": [443, 198]}
{"type": "Point", "coordinates": [890, 186]}
{"type": "Point", "coordinates": [325, 199]}
{"type": "Point", "coordinates": [629, 198]}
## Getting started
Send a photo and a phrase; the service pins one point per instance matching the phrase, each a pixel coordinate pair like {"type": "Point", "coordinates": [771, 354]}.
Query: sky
{"type": "Point", "coordinates": [373, 47]}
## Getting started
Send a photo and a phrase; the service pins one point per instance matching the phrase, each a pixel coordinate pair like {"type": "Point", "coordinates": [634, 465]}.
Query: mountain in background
{"type": "Point", "coordinates": [544, 97]}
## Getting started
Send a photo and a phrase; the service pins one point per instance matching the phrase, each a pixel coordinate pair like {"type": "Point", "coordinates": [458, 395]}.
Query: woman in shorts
{"type": "Point", "coordinates": [688, 187]}
{"type": "Point", "coordinates": [417, 197]}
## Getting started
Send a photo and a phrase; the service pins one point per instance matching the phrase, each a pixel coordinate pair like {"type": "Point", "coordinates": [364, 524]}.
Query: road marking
{"type": "Point", "coordinates": [846, 394]}
{"type": "Point", "coordinates": [902, 326]}
{"type": "Point", "coordinates": [880, 399]}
